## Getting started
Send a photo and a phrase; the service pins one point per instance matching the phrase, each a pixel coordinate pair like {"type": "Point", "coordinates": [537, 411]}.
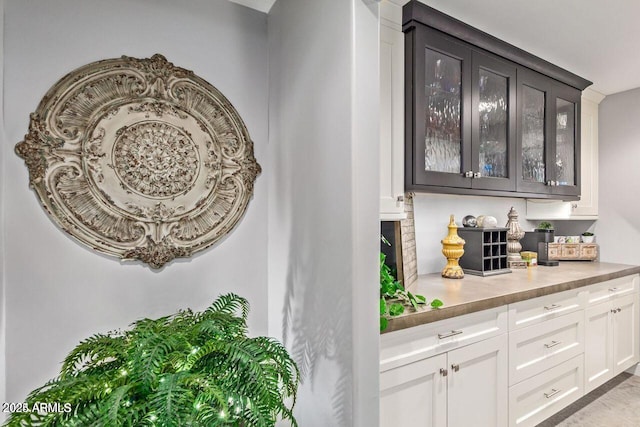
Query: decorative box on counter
{"type": "Point", "coordinates": [573, 251]}
{"type": "Point", "coordinates": [485, 251]}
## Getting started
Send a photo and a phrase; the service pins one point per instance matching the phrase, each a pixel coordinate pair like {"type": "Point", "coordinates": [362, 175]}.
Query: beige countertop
{"type": "Point", "coordinates": [475, 293]}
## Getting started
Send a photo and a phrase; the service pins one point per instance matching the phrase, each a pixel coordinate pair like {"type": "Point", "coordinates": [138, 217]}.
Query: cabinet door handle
{"type": "Point", "coordinates": [553, 393]}
{"type": "Point", "coordinates": [553, 344]}
{"type": "Point", "coordinates": [619, 310]}
{"type": "Point", "coordinates": [450, 334]}
{"type": "Point", "coordinates": [552, 306]}
{"type": "Point", "coordinates": [443, 372]}
{"type": "Point", "coordinates": [477, 175]}
{"type": "Point", "coordinates": [613, 310]}
{"type": "Point", "coordinates": [400, 199]}
{"type": "Point", "coordinates": [455, 367]}
{"type": "Point", "coordinates": [468, 174]}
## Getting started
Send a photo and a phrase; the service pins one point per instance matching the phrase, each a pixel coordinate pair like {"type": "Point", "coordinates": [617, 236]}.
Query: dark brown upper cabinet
{"type": "Point", "coordinates": [484, 117]}
{"type": "Point", "coordinates": [548, 137]}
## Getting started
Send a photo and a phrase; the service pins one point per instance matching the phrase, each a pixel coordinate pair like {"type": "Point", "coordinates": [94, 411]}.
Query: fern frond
{"type": "Point", "coordinates": [229, 304]}
{"type": "Point", "coordinates": [171, 401]}
{"type": "Point", "coordinates": [94, 350]}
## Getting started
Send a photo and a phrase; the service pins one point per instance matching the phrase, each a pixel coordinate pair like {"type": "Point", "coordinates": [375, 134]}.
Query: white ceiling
{"type": "Point", "coordinates": [595, 39]}
{"type": "Point", "coordinates": [261, 5]}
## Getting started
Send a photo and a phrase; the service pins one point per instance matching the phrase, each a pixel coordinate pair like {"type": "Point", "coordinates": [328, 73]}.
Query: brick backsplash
{"type": "Point", "coordinates": [408, 238]}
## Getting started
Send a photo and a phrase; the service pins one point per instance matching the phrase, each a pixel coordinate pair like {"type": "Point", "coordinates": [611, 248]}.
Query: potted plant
{"type": "Point", "coordinates": [588, 237]}
{"type": "Point", "coordinates": [545, 226]}
{"type": "Point", "coordinates": [188, 369]}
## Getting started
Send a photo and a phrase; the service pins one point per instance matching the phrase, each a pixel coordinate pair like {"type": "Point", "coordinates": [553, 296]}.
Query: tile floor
{"type": "Point", "coordinates": [616, 403]}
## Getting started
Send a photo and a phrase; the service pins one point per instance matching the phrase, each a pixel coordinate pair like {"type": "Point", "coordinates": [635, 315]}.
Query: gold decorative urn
{"type": "Point", "coordinates": [452, 249]}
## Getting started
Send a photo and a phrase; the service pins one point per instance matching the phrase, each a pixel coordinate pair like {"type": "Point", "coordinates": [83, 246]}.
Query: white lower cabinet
{"type": "Point", "coordinates": [513, 365]}
{"type": "Point", "coordinates": [477, 384]}
{"type": "Point", "coordinates": [464, 385]}
{"type": "Point", "coordinates": [461, 388]}
{"type": "Point", "coordinates": [611, 339]}
{"type": "Point", "coordinates": [541, 396]}
{"type": "Point", "coordinates": [539, 347]}
{"type": "Point", "coordinates": [414, 394]}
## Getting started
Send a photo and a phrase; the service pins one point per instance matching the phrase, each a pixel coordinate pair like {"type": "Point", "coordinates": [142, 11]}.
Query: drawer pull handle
{"type": "Point", "coordinates": [616, 310]}
{"type": "Point", "coordinates": [553, 393]}
{"type": "Point", "coordinates": [450, 334]}
{"type": "Point", "coordinates": [552, 306]}
{"type": "Point", "coordinates": [553, 344]}
{"type": "Point", "coordinates": [613, 289]}
{"type": "Point", "coordinates": [455, 367]}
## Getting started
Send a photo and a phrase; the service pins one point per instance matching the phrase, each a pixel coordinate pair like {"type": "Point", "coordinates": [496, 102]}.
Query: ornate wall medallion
{"type": "Point", "coordinates": [140, 159]}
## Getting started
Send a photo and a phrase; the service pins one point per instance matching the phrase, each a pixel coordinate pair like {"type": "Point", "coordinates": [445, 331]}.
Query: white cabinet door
{"type": "Point", "coordinates": [414, 395]}
{"type": "Point", "coordinates": [598, 353]}
{"type": "Point", "coordinates": [625, 332]}
{"type": "Point", "coordinates": [477, 394]}
{"type": "Point", "coordinates": [587, 206]}
{"type": "Point", "coordinates": [611, 339]}
{"type": "Point", "coordinates": [391, 123]}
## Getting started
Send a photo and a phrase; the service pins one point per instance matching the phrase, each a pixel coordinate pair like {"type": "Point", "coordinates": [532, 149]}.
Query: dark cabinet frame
{"type": "Point", "coordinates": [426, 27]}
{"type": "Point", "coordinates": [508, 71]}
{"type": "Point", "coordinates": [438, 42]}
{"type": "Point", "coordinates": [552, 90]}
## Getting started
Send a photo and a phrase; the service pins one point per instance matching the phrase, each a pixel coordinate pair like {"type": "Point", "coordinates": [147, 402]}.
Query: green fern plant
{"type": "Point", "coordinates": [188, 369]}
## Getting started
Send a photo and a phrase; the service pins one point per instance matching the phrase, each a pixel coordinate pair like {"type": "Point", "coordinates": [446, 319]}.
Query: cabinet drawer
{"type": "Point", "coordinates": [539, 347]}
{"type": "Point", "coordinates": [409, 345]}
{"type": "Point", "coordinates": [605, 291]}
{"type": "Point", "coordinates": [539, 397]}
{"type": "Point", "coordinates": [538, 310]}
{"type": "Point", "coordinates": [588, 251]}
{"type": "Point", "coordinates": [570, 251]}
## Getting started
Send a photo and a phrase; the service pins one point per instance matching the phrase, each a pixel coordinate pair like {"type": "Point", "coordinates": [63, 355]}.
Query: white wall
{"type": "Point", "coordinates": [432, 213]}
{"type": "Point", "coordinates": [59, 292]}
{"type": "Point", "coordinates": [3, 180]}
{"type": "Point", "coordinates": [323, 204]}
{"type": "Point", "coordinates": [618, 228]}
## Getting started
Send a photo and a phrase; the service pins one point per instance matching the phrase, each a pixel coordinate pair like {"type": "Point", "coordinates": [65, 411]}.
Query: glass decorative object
{"type": "Point", "coordinates": [452, 249]}
{"type": "Point", "coordinates": [514, 234]}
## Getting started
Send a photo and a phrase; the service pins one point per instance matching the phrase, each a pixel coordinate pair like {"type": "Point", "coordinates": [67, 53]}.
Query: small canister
{"type": "Point", "coordinates": [530, 257]}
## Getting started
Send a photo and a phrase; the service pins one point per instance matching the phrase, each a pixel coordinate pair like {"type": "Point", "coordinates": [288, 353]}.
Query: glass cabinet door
{"type": "Point", "coordinates": [533, 135]}
{"type": "Point", "coordinates": [534, 132]}
{"type": "Point", "coordinates": [566, 143]}
{"type": "Point", "coordinates": [441, 153]}
{"type": "Point", "coordinates": [443, 89]}
{"type": "Point", "coordinates": [549, 142]}
{"type": "Point", "coordinates": [493, 134]}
